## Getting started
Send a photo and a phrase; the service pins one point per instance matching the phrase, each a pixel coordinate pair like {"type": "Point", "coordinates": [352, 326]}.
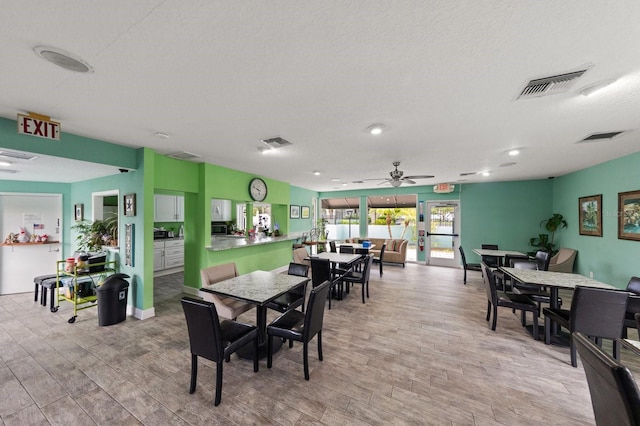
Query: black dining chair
{"type": "Point", "coordinates": [294, 297]}
{"type": "Point", "coordinates": [465, 265]}
{"type": "Point", "coordinates": [321, 272]}
{"type": "Point", "coordinates": [633, 305]}
{"type": "Point", "coordinates": [361, 278]}
{"type": "Point", "coordinates": [615, 396]}
{"type": "Point", "coordinates": [512, 301]}
{"type": "Point", "coordinates": [214, 340]}
{"type": "Point", "coordinates": [301, 327]}
{"type": "Point", "coordinates": [380, 258]}
{"type": "Point", "coordinates": [536, 293]}
{"type": "Point", "coordinates": [491, 261]}
{"type": "Point", "coordinates": [332, 247]}
{"type": "Point", "coordinates": [595, 312]}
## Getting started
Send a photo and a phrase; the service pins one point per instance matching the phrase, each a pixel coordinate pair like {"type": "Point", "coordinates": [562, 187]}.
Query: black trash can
{"type": "Point", "coordinates": [112, 300]}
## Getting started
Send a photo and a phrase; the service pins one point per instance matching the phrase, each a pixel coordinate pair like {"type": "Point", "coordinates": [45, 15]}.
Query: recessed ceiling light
{"type": "Point", "coordinates": [161, 135]}
{"type": "Point", "coordinates": [344, 184]}
{"type": "Point", "coordinates": [514, 152]}
{"type": "Point", "coordinates": [5, 163]}
{"type": "Point", "coordinates": [487, 173]}
{"type": "Point", "coordinates": [63, 59]}
{"type": "Point", "coordinates": [591, 89]}
{"type": "Point", "coordinates": [317, 173]}
{"type": "Point", "coordinates": [266, 151]}
{"type": "Point", "coordinates": [376, 129]}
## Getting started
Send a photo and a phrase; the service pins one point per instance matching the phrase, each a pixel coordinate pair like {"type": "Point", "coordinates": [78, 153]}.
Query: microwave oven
{"type": "Point", "coordinates": [219, 228]}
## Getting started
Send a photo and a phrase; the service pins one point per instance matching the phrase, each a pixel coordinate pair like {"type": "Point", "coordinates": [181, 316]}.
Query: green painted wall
{"type": "Point", "coordinates": [69, 146]}
{"type": "Point", "coordinates": [503, 213]}
{"type": "Point", "coordinates": [302, 197]}
{"type": "Point", "coordinates": [611, 260]}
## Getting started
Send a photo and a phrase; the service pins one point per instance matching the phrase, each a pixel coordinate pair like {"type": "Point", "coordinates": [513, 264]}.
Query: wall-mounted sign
{"type": "Point", "coordinates": [38, 125]}
{"type": "Point", "coordinates": [443, 188]}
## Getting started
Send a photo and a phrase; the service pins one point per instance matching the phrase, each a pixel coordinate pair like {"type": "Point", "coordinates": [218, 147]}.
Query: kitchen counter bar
{"type": "Point", "coordinates": [219, 243]}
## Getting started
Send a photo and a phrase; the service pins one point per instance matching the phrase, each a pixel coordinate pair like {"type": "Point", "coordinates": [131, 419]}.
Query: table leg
{"type": "Point", "coordinates": [261, 320]}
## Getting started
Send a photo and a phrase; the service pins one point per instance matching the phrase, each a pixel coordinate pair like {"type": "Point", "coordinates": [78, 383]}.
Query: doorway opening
{"type": "Point", "coordinates": [442, 233]}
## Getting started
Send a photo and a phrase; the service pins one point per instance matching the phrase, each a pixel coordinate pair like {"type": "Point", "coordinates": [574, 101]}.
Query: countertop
{"type": "Point", "coordinates": [219, 243]}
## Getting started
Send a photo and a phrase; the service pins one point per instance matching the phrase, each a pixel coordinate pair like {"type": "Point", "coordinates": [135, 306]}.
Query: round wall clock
{"type": "Point", "coordinates": [257, 189]}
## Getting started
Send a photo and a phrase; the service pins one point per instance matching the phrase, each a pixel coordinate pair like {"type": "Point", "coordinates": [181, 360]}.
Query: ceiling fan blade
{"type": "Point", "coordinates": [385, 181]}
{"type": "Point", "coordinates": [374, 179]}
{"type": "Point", "coordinates": [408, 181]}
{"type": "Point", "coordinates": [419, 177]}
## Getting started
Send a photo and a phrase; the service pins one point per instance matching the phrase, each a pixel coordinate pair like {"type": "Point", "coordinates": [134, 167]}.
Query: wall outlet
{"type": "Point", "coordinates": [590, 274]}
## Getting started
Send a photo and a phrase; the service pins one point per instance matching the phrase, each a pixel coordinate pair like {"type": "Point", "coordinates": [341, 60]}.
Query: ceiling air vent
{"type": "Point", "coordinates": [8, 171]}
{"type": "Point", "coordinates": [600, 136]}
{"type": "Point", "coordinates": [18, 155]}
{"type": "Point", "coordinates": [183, 155]}
{"type": "Point", "coordinates": [468, 174]}
{"type": "Point", "coordinates": [276, 142]}
{"type": "Point", "coordinates": [550, 85]}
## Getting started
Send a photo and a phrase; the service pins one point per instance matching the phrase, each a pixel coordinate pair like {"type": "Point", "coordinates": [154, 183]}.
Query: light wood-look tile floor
{"type": "Point", "coordinates": [418, 352]}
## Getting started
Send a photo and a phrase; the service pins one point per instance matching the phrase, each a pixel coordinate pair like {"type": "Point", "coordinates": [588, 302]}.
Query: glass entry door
{"type": "Point", "coordinates": [442, 234]}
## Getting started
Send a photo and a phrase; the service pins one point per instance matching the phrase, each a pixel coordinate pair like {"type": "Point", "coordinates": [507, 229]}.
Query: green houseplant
{"type": "Point", "coordinates": [92, 236]}
{"type": "Point", "coordinates": [552, 224]}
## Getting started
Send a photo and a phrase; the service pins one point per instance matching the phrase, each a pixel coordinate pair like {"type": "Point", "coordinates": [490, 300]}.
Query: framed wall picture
{"type": "Point", "coordinates": [629, 215]}
{"type": "Point", "coordinates": [294, 212]}
{"type": "Point", "coordinates": [130, 205]}
{"type": "Point", "coordinates": [590, 214]}
{"type": "Point", "coordinates": [305, 212]}
{"type": "Point", "coordinates": [78, 212]}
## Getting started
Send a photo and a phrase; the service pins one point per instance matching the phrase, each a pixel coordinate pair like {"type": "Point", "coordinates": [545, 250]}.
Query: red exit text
{"type": "Point", "coordinates": [38, 126]}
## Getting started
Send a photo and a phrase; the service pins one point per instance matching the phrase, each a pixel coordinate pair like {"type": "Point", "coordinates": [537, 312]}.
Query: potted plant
{"type": "Point", "coordinates": [552, 224]}
{"type": "Point", "coordinates": [92, 236]}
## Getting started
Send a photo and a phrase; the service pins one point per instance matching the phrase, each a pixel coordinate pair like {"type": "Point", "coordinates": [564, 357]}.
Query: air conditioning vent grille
{"type": "Point", "coordinates": [18, 155]}
{"type": "Point", "coordinates": [183, 155]}
{"type": "Point", "coordinates": [601, 136]}
{"type": "Point", "coordinates": [550, 85]}
{"type": "Point", "coordinates": [468, 174]}
{"type": "Point", "coordinates": [276, 142]}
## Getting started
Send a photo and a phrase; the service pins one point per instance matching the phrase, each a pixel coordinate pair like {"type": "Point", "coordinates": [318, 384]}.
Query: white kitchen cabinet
{"type": "Point", "coordinates": [168, 254]}
{"type": "Point", "coordinates": [220, 210]}
{"type": "Point", "coordinates": [168, 208]}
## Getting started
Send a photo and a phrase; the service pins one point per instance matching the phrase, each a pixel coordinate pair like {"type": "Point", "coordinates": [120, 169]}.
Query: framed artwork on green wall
{"type": "Point", "coordinates": [590, 214]}
{"type": "Point", "coordinates": [294, 212]}
{"type": "Point", "coordinates": [305, 213]}
{"type": "Point", "coordinates": [629, 215]}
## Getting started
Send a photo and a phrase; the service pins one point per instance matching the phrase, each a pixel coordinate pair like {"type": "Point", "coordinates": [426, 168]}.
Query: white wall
{"type": "Point", "coordinates": [19, 264]}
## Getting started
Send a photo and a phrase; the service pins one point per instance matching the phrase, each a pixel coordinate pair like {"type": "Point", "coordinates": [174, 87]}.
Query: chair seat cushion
{"type": "Point", "coordinates": [287, 300]}
{"type": "Point", "coordinates": [289, 325]}
{"type": "Point", "coordinates": [560, 316]}
{"type": "Point", "coordinates": [238, 333]}
{"type": "Point", "coordinates": [515, 300]}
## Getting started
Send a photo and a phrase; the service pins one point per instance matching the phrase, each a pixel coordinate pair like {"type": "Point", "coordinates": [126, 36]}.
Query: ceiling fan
{"type": "Point", "coordinates": [397, 177]}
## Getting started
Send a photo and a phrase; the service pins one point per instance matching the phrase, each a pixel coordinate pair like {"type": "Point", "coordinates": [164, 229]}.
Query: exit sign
{"type": "Point", "coordinates": [443, 188]}
{"type": "Point", "coordinates": [38, 125]}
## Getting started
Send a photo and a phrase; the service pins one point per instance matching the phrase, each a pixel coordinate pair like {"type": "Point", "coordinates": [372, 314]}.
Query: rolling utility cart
{"type": "Point", "coordinates": [77, 284]}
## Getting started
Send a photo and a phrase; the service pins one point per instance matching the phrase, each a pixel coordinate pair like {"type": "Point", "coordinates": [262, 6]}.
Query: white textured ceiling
{"type": "Point", "coordinates": [443, 76]}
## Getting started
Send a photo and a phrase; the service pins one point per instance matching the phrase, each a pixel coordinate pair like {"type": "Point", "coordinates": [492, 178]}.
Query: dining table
{"type": "Point", "coordinates": [358, 246]}
{"type": "Point", "coordinates": [554, 281]}
{"type": "Point", "coordinates": [258, 288]}
{"type": "Point", "coordinates": [343, 259]}
{"type": "Point", "coordinates": [500, 254]}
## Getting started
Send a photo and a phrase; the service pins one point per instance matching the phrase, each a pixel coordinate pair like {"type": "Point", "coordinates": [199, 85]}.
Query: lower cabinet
{"type": "Point", "coordinates": [168, 254]}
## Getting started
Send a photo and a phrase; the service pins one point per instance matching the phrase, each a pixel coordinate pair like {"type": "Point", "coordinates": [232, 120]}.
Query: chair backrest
{"type": "Point", "coordinates": [298, 269]}
{"type": "Point", "coordinates": [542, 259]}
{"type": "Point", "coordinates": [490, 285]}
{"type": "Point", "coordinates": [525, 264]}
{"type": "Point", "coordinates": [299, 256]}
{"type": "Point", "coordinates": [346, 249]}
{"type": "Point", "coordinates": [215, 274]}
{"type": "Point", "coordinates": [382, 249]}
{"type": "Point", "coordinates": [510, 259]}
{"type": "Point", "coordinates": [491, 260]}
{"type": "Point", "coordinates": [315, 310]}
{"type": "Point", "coordinates": [205, 335]}
{"type": "Point", "coordinates": [490, 246]}
{"type": "Point", "coordinates": [598, 312]}
{"type": "Point", "coordinates": [332, 247]}
{"type": "Point", "coordinates": [614, 393]}
{"type": "Point", "coordinates": [366, 272]}
{"type": "Point", "coordinates": [361, 251]}
{"type": "Point", "coordinates": [463, 257]}
{"type": "Point", "coordinates": [320, 271]}
{"type": "Point", "coordinates": [634, 285]}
